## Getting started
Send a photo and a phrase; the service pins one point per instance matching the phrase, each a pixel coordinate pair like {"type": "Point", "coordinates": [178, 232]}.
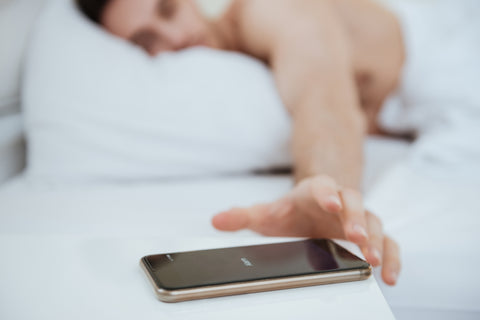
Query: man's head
{"type": "Point", "coordinates": [154, 25]}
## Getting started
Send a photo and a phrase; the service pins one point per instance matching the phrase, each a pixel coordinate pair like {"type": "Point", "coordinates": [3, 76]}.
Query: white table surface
{"type": "Point", "coordinates": [73, 252]}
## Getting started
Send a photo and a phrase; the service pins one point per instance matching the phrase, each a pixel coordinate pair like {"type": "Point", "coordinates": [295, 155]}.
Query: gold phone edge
{"type": "Point", "coordinates": [255, 286]}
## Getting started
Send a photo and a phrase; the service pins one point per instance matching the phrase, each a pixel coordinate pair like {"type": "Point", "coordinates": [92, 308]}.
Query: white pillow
{"type": "Point", "coordinates": [16, 19]}
{"type": "Point", "coordinates": [98, 108]}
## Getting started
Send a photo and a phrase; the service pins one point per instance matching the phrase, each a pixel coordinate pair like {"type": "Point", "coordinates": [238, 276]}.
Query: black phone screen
{"type": "Point", "coordinates": [259, 262]}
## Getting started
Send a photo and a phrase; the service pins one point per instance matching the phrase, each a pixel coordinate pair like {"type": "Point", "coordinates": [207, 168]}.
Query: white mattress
{"type": "Point", "coordinates": [72, 231]}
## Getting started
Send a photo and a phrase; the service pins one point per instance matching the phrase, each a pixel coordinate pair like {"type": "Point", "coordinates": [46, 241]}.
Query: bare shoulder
{"type": "Point", "coordinates": [361, 31]}
{"type": "Point", "coordinates": [260, 24]}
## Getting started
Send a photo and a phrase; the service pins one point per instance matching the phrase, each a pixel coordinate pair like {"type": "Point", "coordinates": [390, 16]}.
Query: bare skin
{"type": "Point", "coordinates": [334, 62]}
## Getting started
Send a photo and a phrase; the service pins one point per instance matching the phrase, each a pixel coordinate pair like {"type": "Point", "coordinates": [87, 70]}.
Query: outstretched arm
{"type": "Point", "coordinates": [308, 50]}
{"type": "Point", "coordinates": [311, 60]}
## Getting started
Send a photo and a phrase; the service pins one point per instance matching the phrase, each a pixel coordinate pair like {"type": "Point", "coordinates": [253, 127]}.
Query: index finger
{"type": "Point", "coordinates": [353, 216]}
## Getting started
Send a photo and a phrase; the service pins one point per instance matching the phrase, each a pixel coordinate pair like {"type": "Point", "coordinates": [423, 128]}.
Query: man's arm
{"type": "Point", "coordinates": [308, 50]}
{"type": "Point", "coordinates": [309, 54]}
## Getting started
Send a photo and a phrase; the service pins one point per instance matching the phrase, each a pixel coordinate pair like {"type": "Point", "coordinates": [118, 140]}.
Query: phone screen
{"type": "Point", "coordinates": [259, 262]}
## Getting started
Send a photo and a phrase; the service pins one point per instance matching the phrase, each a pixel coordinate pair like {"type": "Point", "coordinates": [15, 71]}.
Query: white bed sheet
{"type": "Point", "coordinates": [437, 225]}
{"type": "Point", "coordinates": [72, 231]}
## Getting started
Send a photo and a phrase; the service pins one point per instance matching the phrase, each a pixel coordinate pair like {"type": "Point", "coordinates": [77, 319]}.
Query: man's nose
{"type": "Point", "coordinates": [176, 37]}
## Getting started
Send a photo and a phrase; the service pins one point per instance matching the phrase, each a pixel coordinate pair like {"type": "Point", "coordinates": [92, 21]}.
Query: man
{"type": "Point", "coordinates": [333, 69]}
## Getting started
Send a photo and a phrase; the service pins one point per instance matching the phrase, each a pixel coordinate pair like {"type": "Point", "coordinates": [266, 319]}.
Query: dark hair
{"type": "Point", "coordinates": [93, 9]}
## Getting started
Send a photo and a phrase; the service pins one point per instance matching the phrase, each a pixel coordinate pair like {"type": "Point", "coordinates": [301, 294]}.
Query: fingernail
{"type": "Point", "coordinates": [335, 200]}
{"type": "Point", "coordinates": [360, 230]}
{"type": "Point", "coordinates": [394, 276]}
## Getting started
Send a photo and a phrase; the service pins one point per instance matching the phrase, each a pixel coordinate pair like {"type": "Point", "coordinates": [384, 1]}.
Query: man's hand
{"type": "Point", "coordinates": [318, 208]}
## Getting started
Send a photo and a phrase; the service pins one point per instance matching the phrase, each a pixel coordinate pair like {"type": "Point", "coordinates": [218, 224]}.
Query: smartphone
{"type": "Point", "coordinates": [212, 273]}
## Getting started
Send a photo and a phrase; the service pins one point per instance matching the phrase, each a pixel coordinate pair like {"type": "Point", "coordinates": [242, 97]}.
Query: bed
{"type": "Point", "coordinates": [58, 238]}
{"type": "Point", "coordinates": [56, 232]}
{"type": "Point", "coordinates": [58, 243]}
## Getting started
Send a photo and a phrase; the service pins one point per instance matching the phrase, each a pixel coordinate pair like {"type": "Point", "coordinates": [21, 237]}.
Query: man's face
{"type": "Point", "coordinates": [158, 25]}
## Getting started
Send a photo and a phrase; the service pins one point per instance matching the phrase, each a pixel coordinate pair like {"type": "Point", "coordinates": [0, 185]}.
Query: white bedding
{"type": "Point", "coordinates": [436, 224]}
{"type": "Point", "coordinates": [118, 114]}
{"type": "Point", "coordinates": [62, 232]}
